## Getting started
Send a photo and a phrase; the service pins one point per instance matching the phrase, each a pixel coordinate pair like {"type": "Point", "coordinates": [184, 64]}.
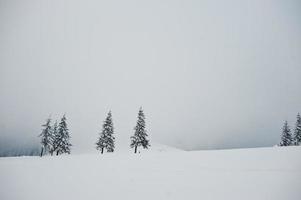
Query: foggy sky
{"type": "Point", "coordinates": [208, 74]}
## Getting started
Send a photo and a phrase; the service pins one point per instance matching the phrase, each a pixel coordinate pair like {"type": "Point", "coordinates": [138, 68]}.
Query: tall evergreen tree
{"type": "Point", "coordinates": [55, 138]}
{"type": "Point", "coordinates": [140, 136]}
{"type": "Point", "coordinates": [63, 138]}
{"type": "Point", "coordinates": [286, 139]}
{"type": "Point", "coordinates": [297, 131]}
{"type": "Point", "coordinates": [106, 139]}
{"type": "Point", "coordinates": [46, 137]}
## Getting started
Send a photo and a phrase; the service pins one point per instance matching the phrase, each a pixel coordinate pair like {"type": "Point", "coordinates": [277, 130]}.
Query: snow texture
{"type": "Point", "coordinates": [159, 173]}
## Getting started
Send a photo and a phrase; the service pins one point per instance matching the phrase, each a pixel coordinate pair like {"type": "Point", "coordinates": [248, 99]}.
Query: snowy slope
{"type": "Point", "coordinates": [262, 173]}
{"type": "Point", "coordinates": [125, 149]}
{"type": "Point", "coordinates": [156, 147]}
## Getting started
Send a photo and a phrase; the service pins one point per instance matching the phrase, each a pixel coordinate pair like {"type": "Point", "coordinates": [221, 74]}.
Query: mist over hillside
{"type": "Point", "coordinates": [18, 147]}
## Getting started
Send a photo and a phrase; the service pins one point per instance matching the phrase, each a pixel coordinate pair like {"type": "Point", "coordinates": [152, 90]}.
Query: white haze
{"type": "Point", "coordinates": [209, 74]}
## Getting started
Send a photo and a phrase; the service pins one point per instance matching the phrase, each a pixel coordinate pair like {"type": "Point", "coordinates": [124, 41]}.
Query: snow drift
{"type": "Point", "coordinates": [262, 173]}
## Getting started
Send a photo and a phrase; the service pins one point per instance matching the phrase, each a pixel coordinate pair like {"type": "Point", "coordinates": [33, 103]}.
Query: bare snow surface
{"type": "Point", "coordinates": [161, 173]}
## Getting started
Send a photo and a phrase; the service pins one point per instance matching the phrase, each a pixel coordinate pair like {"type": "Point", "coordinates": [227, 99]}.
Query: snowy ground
{"type": "Point", "coordinates": [163, 173]}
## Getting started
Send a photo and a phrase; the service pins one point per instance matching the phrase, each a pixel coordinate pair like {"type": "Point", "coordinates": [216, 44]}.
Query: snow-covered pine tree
{"type": "Point", "coordinates": [106, 139]}
{"type": "Point", "coordinates": [55, 138]}
{"type": "Point", "coordinates": [140, 136]}
{"type": "Point", "coordinates": [46, 137]}
{"type": "Point", "coordinates": [297, 131]}
{"type": "Point", "coordinates": [286, 139]}
{"type": "Point", "coordinates": [63, 138]}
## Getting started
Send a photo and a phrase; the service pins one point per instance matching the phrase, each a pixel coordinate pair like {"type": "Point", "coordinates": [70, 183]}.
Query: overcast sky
{"type": "Point", "coordinates": [208, 74]}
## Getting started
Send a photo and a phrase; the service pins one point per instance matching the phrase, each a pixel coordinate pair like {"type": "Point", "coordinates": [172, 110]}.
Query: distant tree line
{"type": "Point", "coordinates": [56, 138]}
{"type": "Point", "coordinates": [32, 150]}
{"type": "Point", "coordinates": [288, 138]}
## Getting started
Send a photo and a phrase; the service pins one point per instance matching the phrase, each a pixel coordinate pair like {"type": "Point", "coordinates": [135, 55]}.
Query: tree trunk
{"type": "Point", "coordinates": [136, 149]}
{"type": "Point", "coordinates": [57, 153]}
{"type": "Point", "coordinates": [42, 150]}
{"type": "Point", "coordinates": [101, 150]}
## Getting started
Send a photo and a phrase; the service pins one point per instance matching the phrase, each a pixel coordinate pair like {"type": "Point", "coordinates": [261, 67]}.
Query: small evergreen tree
{"type": "Point", "coordinates": [46, 137]}
{"type": "Point", "coordinates": [286, 139]}
{"type": "Point", "coordinates": [106, 139]}
{"type": "Point", "coordinates": [63, 138]}
{"type": "Point", "coordinates": [140, 136]}
{"type": "Point", "coordinates": [55, 138]}
{"type": "Point", "coordinates": [297, 132]}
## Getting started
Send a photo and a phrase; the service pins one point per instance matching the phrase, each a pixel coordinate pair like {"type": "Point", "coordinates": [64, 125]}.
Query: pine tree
{"type": "Point", "coordinates": [55, 138]}
{"type": "Point", "coordinates": [46, 137]}
{"type": "Point", "coordinates": [140, 136]}
{"type": "Point", "coordinates": [63, 138]}
{"type": "Point", "coordinates": [106, 139]}
{"type": "Point", "coordinates": [286, 139]}
{"type": "Point", "coordinates": [297, 132]}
